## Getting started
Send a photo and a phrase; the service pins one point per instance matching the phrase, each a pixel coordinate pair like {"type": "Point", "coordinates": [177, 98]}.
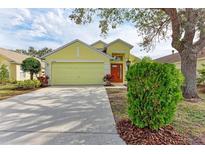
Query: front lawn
{"type": "Point", "coordinates": [10, 90]}
{"type": "Point", "coordinates": [189, 119]}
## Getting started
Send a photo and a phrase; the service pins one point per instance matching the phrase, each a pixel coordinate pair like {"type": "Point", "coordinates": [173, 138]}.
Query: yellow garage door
{"type": "Point", "coordinates": [78, 73]}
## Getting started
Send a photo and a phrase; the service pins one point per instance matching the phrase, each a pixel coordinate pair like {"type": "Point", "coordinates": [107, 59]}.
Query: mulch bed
{"type": "Point", "coordinates": [144, 136]}
{"type": "Point", "coordinates": [199, 141]}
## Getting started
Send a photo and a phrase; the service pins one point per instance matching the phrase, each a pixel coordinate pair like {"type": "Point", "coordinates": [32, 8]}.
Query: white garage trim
{"type": "Point", "coordinates": [65, 81]}
{"type": "Point", "coordinates": [48, 70]}
{"type": "Point", "coordinates": [76, 60]}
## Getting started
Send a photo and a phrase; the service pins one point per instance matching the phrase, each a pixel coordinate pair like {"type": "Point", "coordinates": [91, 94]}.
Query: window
{"type": "Point", "coordinates": [118, 57]}
{"type": "Point", "coordinates": [22, 74]}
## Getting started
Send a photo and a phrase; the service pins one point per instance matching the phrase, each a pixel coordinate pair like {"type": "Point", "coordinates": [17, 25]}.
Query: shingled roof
{"type": "Point", "coordinates": [176, 57]}
{"type": "Point", "coordinates": [15, 57]}
{"type": "Point", "coordinates": [169, 58]}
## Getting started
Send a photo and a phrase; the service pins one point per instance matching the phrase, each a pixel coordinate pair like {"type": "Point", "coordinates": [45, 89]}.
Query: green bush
{"type": "Point", "coordinates": [4, 74]}
{"type": "Point", "coordinates": [28, 84]}
{"type": "Point", "coordinates": [154, 90]}
{"type": "Point", "coordinates": [201, 79]}
{"type": "Point", "coordinates": [13, 81]}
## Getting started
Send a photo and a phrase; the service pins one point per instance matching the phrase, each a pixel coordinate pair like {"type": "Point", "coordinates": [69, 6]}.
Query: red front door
{"type": "Point", "coordinates": [116, 72]}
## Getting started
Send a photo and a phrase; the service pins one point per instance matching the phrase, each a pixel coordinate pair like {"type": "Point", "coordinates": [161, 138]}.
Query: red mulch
{"type": "Point", "coordinates": [199, 141]}
{"type": "Point", "coordinates": [144, 136]}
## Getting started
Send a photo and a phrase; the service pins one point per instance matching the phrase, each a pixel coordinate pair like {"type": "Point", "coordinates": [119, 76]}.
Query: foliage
{"type": "Point", "coordinates": [28, 84]}
{"type": "Point", "coordinates": [43, 51]}
{"type": "Point", "coordinates": [154, 90]}
{"type": "Point", "coordinates": [34, 52]}
{"type": "Point", "coordinates": [201, 79]}
{"type": "Point", "coordinates": [21, 51]}
{"type": "Point", "coordinates": [12, 81]}
{"type": "Point", "coordinates": [188, 120]}
{"type": "Point", "coordinates": [31, 65]}
{"type": "Point", "coordinates": [147, 59]}
{"type": "Point", "coordinates": [43, 80]}
{"type": "Point", "coordinates": [4, 74]}
{"type": "Point", "coordinates": [107, 79]}
{"type": "Point", "coordinates": [154, 25]}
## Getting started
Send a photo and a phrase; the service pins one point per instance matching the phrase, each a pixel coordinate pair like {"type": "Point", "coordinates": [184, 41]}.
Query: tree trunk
{"type": "Point", "coordinates": [188, 68]}
{"type": "Point", "coordinates": [31, 75]}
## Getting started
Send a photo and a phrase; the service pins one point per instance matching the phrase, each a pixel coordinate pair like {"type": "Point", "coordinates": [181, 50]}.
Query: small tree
{"type": "Point", "coordinates": [31, 65]}
{"type": "Point", "coordinates": [4, 74]}
{"type": "Point", "coordinates": [154, 90]}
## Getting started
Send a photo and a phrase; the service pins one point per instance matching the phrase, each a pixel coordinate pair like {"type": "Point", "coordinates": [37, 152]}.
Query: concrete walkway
{"type": "Point", "coordinates": [58, 115]}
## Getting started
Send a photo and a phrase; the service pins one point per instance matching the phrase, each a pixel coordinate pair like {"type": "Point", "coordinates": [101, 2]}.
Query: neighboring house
{"type": "Point", "coordinates": [175, 58]}
{"type": "Point", "coordinates": [13, 62]}
{"type": "Point", "coordinates": [78, 63]}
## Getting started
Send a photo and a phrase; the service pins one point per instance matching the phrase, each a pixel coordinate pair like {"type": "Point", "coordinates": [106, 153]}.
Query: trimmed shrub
{"type": "Point", "coordinates": [43, 80]}
{"type": "Point", "coordinates": [13, 81]}
{"type": "Point", "coordinates": [4, 74]}
{"type": "Point", "coordinates": [28, 84]}
{"type": "Point", "coordinates": [154, 89]}
{"type": "Point", "coordinates": [31, 65]}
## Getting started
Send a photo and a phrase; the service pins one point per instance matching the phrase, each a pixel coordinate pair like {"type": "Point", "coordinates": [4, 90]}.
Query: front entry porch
{"type": "Point", "coordinates": [117, 73]}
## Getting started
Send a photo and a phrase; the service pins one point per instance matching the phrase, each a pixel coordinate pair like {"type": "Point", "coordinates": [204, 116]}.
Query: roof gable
{"type": "Point", "coordinates": [119, 40]}
{"type": "Point", "coordinates": [70, 43]}
{"type": "Point", "coordinates": [169, 58]}
{"type": "Point", "coordinates": [13, 56]}
{"type": "Point", "coordinates": [99, 41]}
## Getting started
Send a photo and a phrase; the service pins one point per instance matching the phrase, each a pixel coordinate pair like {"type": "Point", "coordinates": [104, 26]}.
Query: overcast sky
{"type": "Point", "coordinates": [21, 28]}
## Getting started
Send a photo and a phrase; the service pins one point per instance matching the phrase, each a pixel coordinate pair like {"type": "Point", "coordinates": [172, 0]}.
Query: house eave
{"type": "Point", "coordinates": [77, 40]}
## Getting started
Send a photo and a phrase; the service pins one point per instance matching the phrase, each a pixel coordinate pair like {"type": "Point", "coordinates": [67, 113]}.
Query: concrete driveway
{"type": "Point", "coordinates": [58, 115]}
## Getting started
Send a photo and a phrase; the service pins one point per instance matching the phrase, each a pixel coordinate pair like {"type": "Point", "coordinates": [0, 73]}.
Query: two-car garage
{"type": "Point", "coordinates": [77, 73]}
{"type": "Point", "coordinates": [77, 63]}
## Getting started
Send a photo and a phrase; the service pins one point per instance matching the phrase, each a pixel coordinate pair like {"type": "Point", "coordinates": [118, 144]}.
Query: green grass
{"type": "Point", "coordinates": [118, 101]}
{"type": "Point", "coordinates": [7, 86]}
{"type": "Point", "coordinates": [189, 119]}
{"type": "Point", "coordinates": [10, 90]}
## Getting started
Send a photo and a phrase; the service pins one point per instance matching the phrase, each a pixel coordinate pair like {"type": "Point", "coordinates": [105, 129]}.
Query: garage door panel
{"type": "Point", "coordinates": [77, 73]}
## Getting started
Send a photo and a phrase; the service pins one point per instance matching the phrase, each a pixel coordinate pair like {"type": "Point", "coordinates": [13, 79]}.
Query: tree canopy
{"type": "Point", "coordinates": [185, 27]}
{"type": "Point", "coordinates": [34, 52]}
{"type": "Point", "coordinates": [152, 24]}
{"type": "Point", "coordinates": [31, 65]}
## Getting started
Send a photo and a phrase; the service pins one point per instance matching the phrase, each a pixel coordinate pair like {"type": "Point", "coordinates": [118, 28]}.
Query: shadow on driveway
{"type": "Point", "coordinates": [58, 115]}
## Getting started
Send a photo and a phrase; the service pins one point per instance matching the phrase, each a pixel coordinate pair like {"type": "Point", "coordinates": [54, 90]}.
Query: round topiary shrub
{"type": "Point", "coordinates": [154, 89]}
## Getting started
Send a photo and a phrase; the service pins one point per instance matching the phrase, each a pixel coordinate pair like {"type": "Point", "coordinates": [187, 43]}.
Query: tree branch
{"type": "Point", "coordinates": [176, 28]}
{"type": "Point", "coordinates": [160, 28]}
{"type": "Point", "coordinates": [200, 44]}
{"type": "Point", "coordinates": [189, 28]}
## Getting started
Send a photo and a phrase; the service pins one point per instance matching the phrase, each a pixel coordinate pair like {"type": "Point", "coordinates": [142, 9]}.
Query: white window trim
{"type": "Point", "coordinates": [75, 60]}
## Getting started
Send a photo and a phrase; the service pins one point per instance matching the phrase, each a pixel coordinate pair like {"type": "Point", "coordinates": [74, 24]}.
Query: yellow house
{"type": "Point", "coordinates": [13, 62]}
{"type": "Point", "coordinates": [78, 63]}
